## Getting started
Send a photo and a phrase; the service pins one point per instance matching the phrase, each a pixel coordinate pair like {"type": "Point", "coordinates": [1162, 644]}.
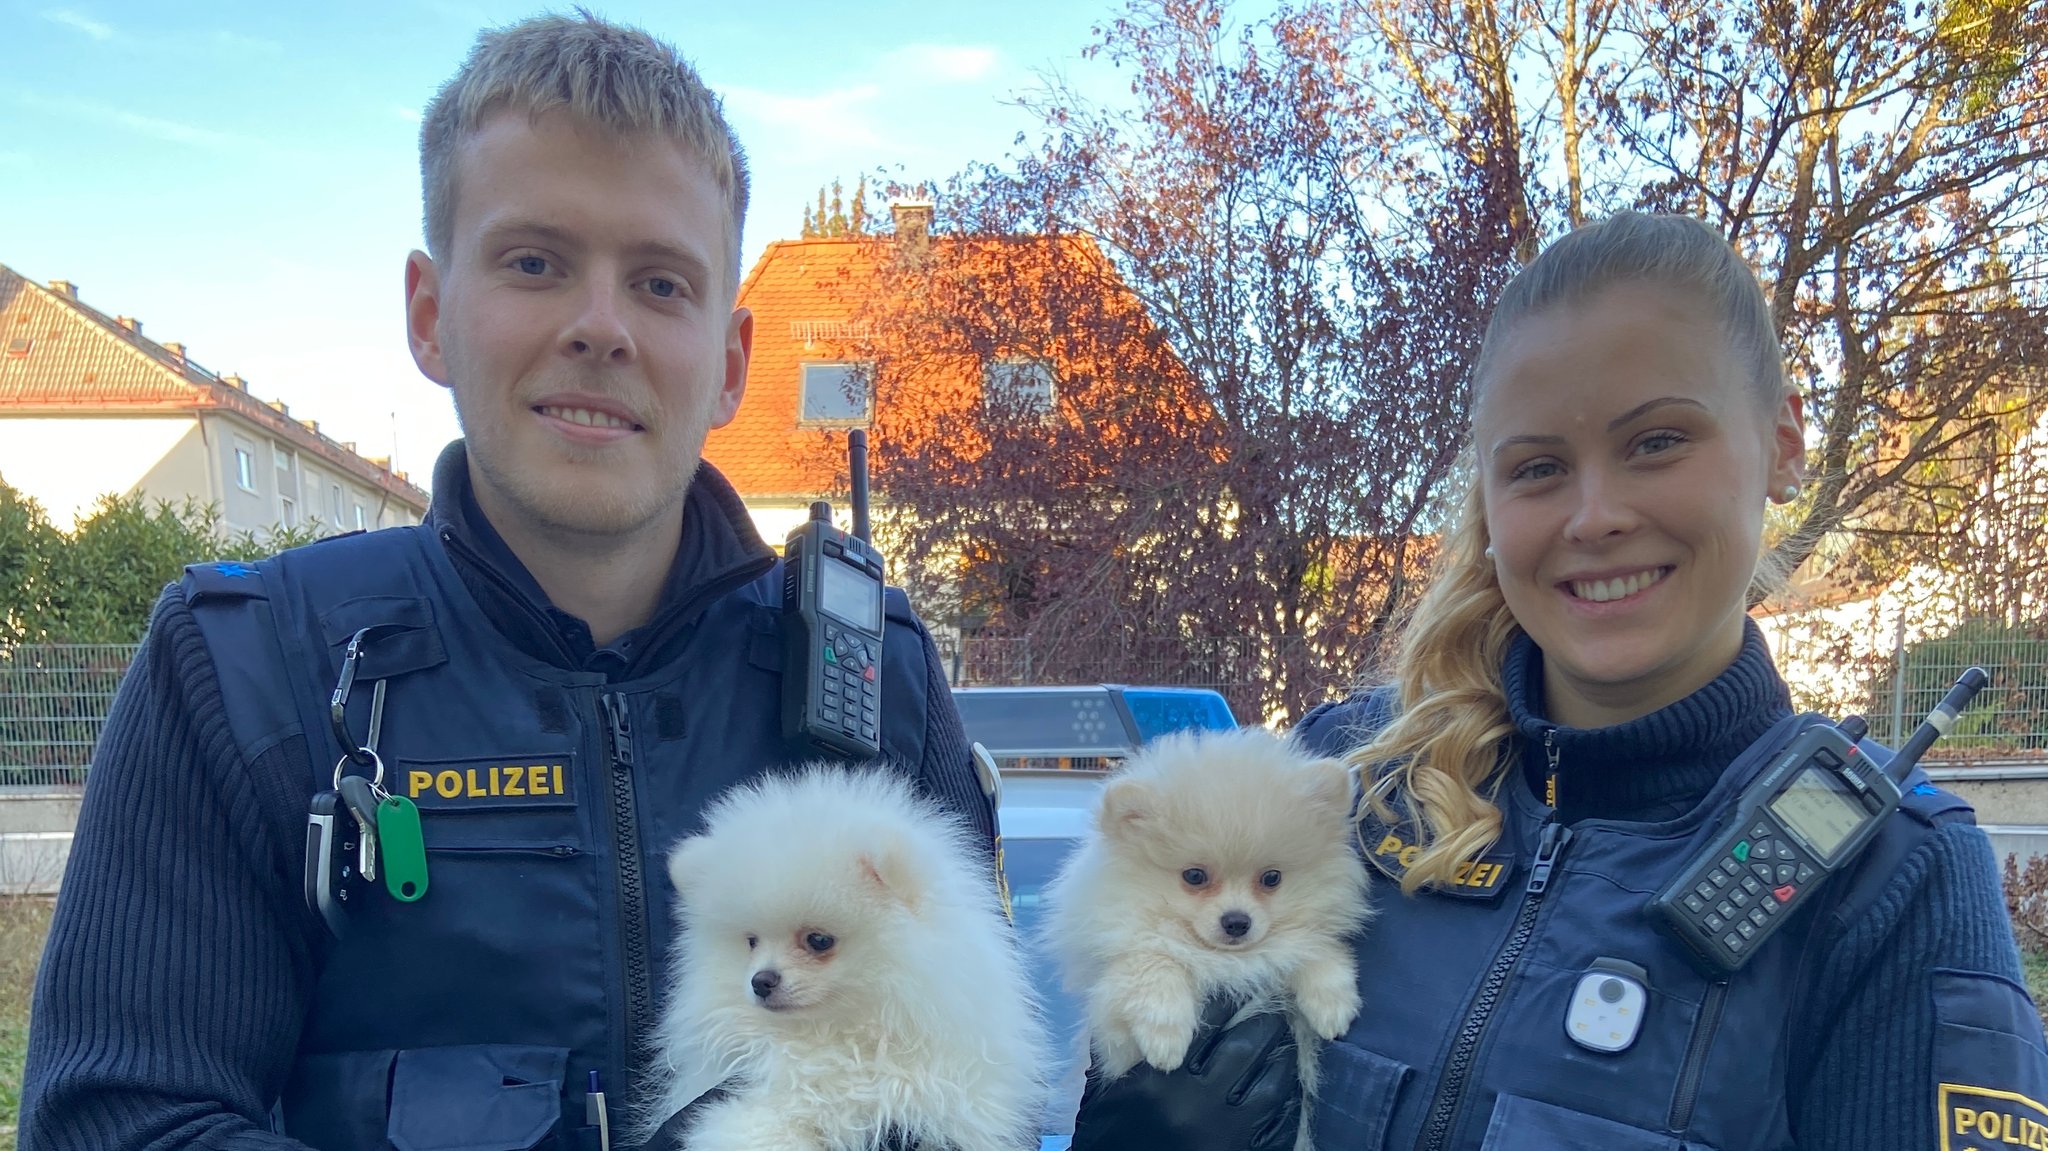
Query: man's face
{"type": "Point", "coordinates": [583, 318]}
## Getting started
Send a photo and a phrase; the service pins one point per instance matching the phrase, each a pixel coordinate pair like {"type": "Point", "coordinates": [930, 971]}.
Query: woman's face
{"type": "Point", "coordinates": [1625, 462]}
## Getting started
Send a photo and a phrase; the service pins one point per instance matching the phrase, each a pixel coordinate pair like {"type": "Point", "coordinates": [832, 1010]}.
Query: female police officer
{"type": "Point", "coordinates": [1579, 700]}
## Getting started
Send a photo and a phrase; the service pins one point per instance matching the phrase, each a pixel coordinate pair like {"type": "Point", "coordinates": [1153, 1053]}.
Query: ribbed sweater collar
{"type": "Point", "coordinates": [1656, 766]}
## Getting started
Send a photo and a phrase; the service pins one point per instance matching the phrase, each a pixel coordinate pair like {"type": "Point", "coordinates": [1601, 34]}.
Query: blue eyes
{"type": "Point", "coordinates": [1654, 444]}
{"type": "Point", "coordinates": [660, 287]}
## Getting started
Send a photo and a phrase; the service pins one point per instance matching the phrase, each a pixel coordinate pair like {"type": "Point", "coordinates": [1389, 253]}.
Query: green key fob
{"type": "Point", "coordinates": [402, 852]}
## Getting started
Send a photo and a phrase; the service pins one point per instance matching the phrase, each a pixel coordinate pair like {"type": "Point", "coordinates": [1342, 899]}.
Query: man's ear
{"type": "Point", "coordinates": [739, 351]}
{"type": "Point", "coordinates": [423, 316]}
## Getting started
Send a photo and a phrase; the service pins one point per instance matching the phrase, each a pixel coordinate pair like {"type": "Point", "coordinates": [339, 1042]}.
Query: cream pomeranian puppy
{"type": "Point", "coordinates": [845, 969]}
{"type": "Point", "coordinates": [1219, 864]}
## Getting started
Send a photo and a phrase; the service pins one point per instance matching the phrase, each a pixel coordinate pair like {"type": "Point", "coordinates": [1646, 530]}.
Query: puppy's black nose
{"type": "Point", "coordinates": [766, 982]}
{"type": "Point", "coordinates": [1236, 923]}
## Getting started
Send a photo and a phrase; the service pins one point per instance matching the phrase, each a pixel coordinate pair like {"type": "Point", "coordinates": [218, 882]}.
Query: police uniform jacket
{"type": "Point", "coordinates": [1888, 1013]}
{"type": "Point", "coordinates": [190, 998]}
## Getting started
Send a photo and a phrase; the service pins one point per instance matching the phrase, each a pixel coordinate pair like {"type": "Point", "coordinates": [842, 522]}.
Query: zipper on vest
{"type": "Point", "coordinates": [1451, 1088]}
{"type": "Point", "coordinates": [1695, 1067]}
{"type": "Point", "coordinates": [618, 724]}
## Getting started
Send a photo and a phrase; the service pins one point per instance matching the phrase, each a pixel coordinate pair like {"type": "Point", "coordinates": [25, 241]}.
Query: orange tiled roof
{"type": "Point", "coordinates": [807, 298]}
{"type": "Point", "coordinates": [60, 356]}
{"type": "Point", "coordinates": [803, 293]}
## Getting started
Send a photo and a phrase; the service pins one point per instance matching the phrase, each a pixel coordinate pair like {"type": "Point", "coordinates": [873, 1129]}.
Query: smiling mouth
{"type": "Point", "coordinates": [589, 418]}
{"type": "Point", "coordinates": [1620, 587]}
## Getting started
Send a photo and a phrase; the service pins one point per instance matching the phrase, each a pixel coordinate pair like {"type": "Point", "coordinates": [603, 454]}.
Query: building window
{"type": "Point", "coordinates": [837, 395]}
{"type": "Point", "coordinates": [359, 517]}
{"type": "Point", "coordinates": [245, 469]}
{"type": "Point", "coordinates": [287, 511]}
{"type": "Point", "coordinates": [1018, 386]}
{"type": "Point", "coordinates": [18, 349]}
{"type": "Point", "coordinates": [334, 504]}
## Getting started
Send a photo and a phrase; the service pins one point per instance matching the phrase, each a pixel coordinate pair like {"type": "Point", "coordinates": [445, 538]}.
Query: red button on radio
{"type": "Point", "coordinates": [1785, 893]}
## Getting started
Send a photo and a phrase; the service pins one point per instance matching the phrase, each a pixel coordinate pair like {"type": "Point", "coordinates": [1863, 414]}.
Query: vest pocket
{"type": "Point", "coordinates": [1520, 1124]}
{"type": "Point", "coordinates": [486, 1097]}
{"type": "Point", "coordinates": [482, 1098]}
{"type": "Point", "coordinates": [1355, 1100]}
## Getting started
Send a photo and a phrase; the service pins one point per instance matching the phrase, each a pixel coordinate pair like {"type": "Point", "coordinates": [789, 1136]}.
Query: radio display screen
{"type": "Point", "coordinates": [853, 598]}
{"type": "Point", "coordinates": [1820, 810]}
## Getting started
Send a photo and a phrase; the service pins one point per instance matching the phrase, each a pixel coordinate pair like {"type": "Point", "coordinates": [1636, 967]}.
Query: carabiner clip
{"type": "Point", "coordinates": [363, 754]}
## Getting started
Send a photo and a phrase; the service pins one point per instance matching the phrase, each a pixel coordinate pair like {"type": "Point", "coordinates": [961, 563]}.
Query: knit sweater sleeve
{"type": "Point", "coordinates": [1864, 1058]}
{"type": "Point", "coordinates": [180, 958]}
{"type": "Point", "coordinates": [948, 770]}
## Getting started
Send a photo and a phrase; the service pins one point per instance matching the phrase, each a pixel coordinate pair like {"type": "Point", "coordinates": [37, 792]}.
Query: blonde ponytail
{"type": "Point", "coordinates": [1443, 750]}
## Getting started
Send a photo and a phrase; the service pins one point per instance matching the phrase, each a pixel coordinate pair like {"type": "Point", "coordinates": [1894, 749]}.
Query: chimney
{"type": "Point", "coordinates": [130, 323]}
{"type": "Point", "coordinates": [312, 426]}
{"type": "Point", "coordinates": [236, 382]}
{"type": "Point", "coordinates": [913, 226]}
{"type": "Point", "coordinates": [175, 348]}
{"type": "Point", "coordinates": [64, 288]}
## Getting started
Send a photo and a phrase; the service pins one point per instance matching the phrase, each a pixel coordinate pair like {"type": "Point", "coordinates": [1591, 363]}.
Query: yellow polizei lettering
{"type": "Point", "coordinates": [537, 780]}
{"type": "Point", "coordinates": [1970, 1124]}
{"type": "Point", "coordinates": [491, 777]}
{"type": "Point", "coordinates": [1410, 854]}
{"type": "Point", "coordinates": [448, 784]}
{"type": "Point", "coordinates": [558, 780]}
{"type": "Point", "coordinates": [475, 789]}
{"type": "Point", "coordinates": [515, 780]}
{"type": "Point", "coordinates": [417, 782]}
{"type": "Point", "coordinates": [1388, 846]}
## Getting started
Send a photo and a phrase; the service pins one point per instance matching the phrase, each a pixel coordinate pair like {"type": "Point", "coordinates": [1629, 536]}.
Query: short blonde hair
{"type": "Point", "coordinates": [618, 78]}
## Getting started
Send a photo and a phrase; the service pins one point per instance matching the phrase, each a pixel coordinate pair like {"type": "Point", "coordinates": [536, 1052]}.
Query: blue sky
{"type": "Point", "coordinates": [244, 177]}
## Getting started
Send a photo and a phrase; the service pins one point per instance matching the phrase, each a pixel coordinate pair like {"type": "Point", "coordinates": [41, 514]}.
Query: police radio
{"type": "Point", "coordinates": [1805, 818]}
{"type": "Point", "coordinates": [832, 623]}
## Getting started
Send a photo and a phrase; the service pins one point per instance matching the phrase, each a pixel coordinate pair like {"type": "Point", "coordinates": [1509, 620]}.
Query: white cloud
{"type": "Point", "coordinates": [843, 117]}
{"type": "Point", "coordinates": [70, 18]}
{"type": "Point", "coordinates": [942, 63]}
{"type": "Point", "coordinates": [154, 127]}
{"type": "Point", "coordinates": [409, 115]}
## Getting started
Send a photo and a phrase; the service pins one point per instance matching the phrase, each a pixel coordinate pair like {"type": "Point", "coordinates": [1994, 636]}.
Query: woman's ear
{"type": "Point", "coordinates": [1788, 444]}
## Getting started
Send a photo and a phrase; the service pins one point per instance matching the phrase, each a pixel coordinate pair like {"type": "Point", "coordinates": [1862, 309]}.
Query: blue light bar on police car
{"type": "Point", "coordinates": [1083, 721]}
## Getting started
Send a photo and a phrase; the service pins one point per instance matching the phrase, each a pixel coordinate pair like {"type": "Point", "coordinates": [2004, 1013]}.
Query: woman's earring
{"type": "Point", "coordinates": [1489, 551]}
{"type": "Point", "coordinates": [1788, 493]}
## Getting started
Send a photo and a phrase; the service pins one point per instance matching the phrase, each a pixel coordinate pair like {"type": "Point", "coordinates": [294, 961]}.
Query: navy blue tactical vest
{"type": "Point", "coordinates": [1462, 1042]}
{"type": "Point", "coordinates": [548, 798]}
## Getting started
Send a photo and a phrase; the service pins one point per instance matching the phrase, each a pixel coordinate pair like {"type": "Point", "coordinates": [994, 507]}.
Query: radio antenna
{"type": "Point", "coordinates": [857, 462]}
{"type": "Point", "coordinates": [1937, 722]}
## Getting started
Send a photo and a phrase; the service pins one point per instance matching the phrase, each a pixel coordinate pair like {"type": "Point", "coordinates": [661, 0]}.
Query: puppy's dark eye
{"type": "Point", "coordinates": [1270, 879]}
{"type": "Point", "coordinates": [1195, 877]}
{"type": "Point", "coordinates": [752, 940]}
{"type": "Point", "coordinates": [819, 942]}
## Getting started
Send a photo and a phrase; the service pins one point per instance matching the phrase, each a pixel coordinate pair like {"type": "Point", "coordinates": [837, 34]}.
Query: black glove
{"type": "Point", "coordinates": [1239, 1090]}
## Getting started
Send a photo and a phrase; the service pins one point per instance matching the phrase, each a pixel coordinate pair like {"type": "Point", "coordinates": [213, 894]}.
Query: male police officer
{"type": "Point", "coordinates": [576, 652]}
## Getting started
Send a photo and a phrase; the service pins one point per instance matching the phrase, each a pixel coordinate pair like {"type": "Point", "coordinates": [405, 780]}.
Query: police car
{"type": "Point", "coordinates": [1051, 746]}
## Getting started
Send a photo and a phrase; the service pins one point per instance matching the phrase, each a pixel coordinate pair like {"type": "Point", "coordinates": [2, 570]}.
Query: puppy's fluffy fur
{"type": "Point", "coordinates": [846, 968]}
{"type": "Point", "coordinates": [1219, 864]}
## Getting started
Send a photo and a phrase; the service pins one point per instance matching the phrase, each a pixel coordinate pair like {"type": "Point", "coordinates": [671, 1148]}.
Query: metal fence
{"type": "Point", "coordinates": [53, 702]}
{"type": "Point", "coordinates": [54, 699]}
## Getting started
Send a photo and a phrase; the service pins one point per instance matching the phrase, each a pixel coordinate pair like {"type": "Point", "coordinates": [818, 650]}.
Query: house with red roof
{"type": "Point", "coordinates": [91, 406]}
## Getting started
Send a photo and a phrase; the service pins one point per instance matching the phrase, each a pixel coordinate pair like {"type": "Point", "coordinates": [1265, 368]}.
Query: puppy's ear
{"type": "Point", "coordinates": [892, 871]}
{"type": "Point", "coordinates": [1329, 785]}
{"type": "Point", "coordinates": [687, 862]}
{"type": "Point", "coordinates": [1126, 806]}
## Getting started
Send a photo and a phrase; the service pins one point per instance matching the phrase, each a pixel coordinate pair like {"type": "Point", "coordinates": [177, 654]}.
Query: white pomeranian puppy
{"type": "Point", "coordinates": [1219, 864]}
{"type": "Point", "coordinates": [846, 970]}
